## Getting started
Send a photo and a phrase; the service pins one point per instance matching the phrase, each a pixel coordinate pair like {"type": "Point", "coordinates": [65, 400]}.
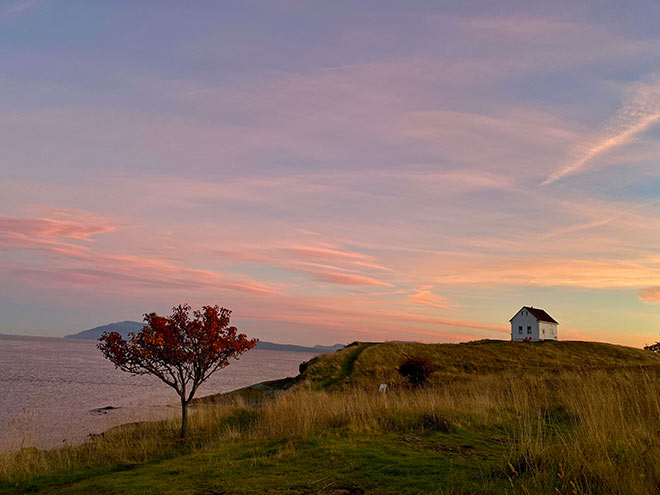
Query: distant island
{"type": "Point", "coordinates": [122, 327]}
{"type": "Point", "coordinates": [126, 327]}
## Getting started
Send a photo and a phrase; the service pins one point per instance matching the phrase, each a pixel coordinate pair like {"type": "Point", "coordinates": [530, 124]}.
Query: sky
{"type": "Point", "coordinates": [332, 171]}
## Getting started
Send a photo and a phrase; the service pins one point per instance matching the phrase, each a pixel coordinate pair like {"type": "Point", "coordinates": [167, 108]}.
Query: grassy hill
{"type": "Point", "coordinates": [365, 364]}
{"type": "Point", "coordinates": [496, 417]}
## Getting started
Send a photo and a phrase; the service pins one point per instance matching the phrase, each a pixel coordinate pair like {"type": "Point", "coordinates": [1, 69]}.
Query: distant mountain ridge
{"type": "Point", "coordinates": [272, 346]}
{"type": "Point", "coordinates": [122, 327]}
{"type": "Point", "coordinates": [126, 327]}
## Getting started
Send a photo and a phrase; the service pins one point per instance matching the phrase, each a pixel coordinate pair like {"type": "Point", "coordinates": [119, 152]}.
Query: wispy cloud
{"type": "Point", "coordinates": [52, 228]}
{"type": "Point", "coordinates": [50, 234]}
{"type": "Point", "coordinates": [324, 263]}
{"type": "Point", "coordinates": [424, 296]}
{"type": "Point", "coordinates": [380, 321]}
{"type": "Point", "coordinates": [577, 228]}
{"type": "Point", "coordinates": [347, 279]}
{"type": "Point", "coordinates": [123, 274]}
{"type": "Point", "coordinates": [333, 254]}
{"type": "Point", "coordinates": [600, 273]}
{"type": "Point", "coordinates": [650, 295]}
{"type": "Point", "coordinates": [637, 116]}
{"type": "Point", "coordinates": [72, 264]}
{"type": "Point", "coordinates": [18, 7]}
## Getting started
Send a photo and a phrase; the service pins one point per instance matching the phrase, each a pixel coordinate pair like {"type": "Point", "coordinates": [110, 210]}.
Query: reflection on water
{"type": "Point", "coordinates": [49, 388]}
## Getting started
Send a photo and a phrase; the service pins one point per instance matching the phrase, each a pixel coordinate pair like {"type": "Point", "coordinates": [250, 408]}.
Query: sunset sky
{"type": "Point", "coordinates": [332, 170]}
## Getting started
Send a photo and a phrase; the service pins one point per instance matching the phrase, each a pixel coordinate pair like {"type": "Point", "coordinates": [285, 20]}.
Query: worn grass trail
{"type": "Point", "coordinates": [347, 365]}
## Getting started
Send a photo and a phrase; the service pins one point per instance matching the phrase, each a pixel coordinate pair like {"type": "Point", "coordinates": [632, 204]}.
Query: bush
{"type": "Point", "coordinates": [416, 370]}
{"type": "Point", "coordinates": [653, 347]}
{"type": "Point", "coordinates": [302, 367]}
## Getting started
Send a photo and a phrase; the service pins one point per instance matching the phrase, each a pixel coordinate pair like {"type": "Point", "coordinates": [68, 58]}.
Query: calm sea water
{"type": "Point", "coordinates": [50, 387]}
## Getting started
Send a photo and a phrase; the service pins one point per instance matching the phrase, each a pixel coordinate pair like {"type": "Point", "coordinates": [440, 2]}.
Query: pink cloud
{"type": "Point", "coordinates": [426, 297]}
{"type": "Point", "coordinates": [347, 279]}
{"type": "Point", "coordinates": [79, 266]}
{"type": "Point", "coordinates": [650, 295]}
{"type": "Point", "coordinates": [117, 274]}
{"type": "Point", "coordinates": [244, 255]}
{"type": "Point", "coordinates": [315, 261]}
{"type": "Point", "coordinates": [378, 329]}
{"type": "Point", "coordinates": [164, 274]}
{"type": "Point", "coordinates": [378, 320]}
{"type": "Point", "coordinates": [331, 254]}
{"type": "Point", "coordinates": [52, 228]}
{"type": "Point", "coordinates": [49, 235]}
{"type": "Point", "coordinates": [355, 315]}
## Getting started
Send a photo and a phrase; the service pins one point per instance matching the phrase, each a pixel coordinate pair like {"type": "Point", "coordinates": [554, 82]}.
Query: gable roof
{"type": "Point", "coordinates": [537, 313]}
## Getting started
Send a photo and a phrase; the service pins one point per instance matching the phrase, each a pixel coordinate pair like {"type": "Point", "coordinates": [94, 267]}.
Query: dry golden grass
{"type": "Point", "coordinates": [598, 431]}
{"type": "Point", "coordinates": [610, 440]}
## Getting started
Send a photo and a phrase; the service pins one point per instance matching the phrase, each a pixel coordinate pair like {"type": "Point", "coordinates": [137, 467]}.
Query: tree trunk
{"type": "Point", "coordinates": [184, 417]}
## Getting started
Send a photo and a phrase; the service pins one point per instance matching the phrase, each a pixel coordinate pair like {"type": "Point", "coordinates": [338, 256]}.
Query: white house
{"type": "Point", "coordinates": [533, 324]}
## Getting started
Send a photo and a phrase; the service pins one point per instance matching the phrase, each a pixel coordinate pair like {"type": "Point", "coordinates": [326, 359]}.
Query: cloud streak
{"type": "Point", "coordinates": [348, 279]}
{"type": "Point", "coordinates": [50, 228]}
{"type": "Point", "coordinates": [348, 268]}
{"type": "Point", "coordinates": [18, 7]}
{"type": "Point", "coordinates": [426, 297]}
{"type": "Point", "coordinates": [634, 119]}
{"type": "Point", "coordinates": [79, 265]}
{"type": "Point", "coordinates": [650, 295]}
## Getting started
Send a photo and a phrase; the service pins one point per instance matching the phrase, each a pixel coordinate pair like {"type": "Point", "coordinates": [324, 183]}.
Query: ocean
{"type": "Point", "coordinates": [52, 389]}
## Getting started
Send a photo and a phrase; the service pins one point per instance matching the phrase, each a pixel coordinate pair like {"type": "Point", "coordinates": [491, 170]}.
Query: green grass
{"type": "Point", "coordinates": [378, 464]}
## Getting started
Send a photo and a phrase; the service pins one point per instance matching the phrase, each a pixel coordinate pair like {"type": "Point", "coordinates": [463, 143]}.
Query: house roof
{"type": "Point", "coordinates": [538, 313]}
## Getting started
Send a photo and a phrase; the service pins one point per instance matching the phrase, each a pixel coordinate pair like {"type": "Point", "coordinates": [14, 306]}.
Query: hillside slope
{"type": "Point", "coordinates": [370, 364]}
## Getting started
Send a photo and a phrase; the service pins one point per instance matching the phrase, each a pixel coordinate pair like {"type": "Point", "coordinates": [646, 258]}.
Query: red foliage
{"type": "Point", "coordinates": [183, 349]}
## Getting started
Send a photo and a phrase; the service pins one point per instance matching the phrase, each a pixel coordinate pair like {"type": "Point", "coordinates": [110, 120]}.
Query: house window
{"type": "Point", "coordinates": [529, 329]}
{"type": "Point", "coordinates": [520, 330]}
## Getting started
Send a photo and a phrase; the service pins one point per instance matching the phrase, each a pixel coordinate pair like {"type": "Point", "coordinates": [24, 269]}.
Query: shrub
{"type": "Point", "coordinates": [416, 370]}
{"type": "Point", "coordinates": [302, 367]}
{"type": "Point", "coordinates": [653, 347]}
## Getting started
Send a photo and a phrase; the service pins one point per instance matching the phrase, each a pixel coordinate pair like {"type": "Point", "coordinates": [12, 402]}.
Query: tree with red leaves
{"type": "Point", "coordinates": [183, 350]}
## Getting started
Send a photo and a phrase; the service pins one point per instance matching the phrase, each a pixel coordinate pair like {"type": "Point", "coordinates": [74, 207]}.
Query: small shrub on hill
{"type": "Point", "coordinates": [302, 367]}
{"type": "Point", "coordinates": [416, 371]}
{"type": "Point", "coordinates": [653, 347]}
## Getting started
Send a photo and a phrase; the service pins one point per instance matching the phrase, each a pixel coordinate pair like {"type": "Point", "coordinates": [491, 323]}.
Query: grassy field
{"type": "Point", "coordinates": [496, 418]}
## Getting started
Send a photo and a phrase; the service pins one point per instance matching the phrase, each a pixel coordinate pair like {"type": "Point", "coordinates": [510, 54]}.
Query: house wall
{"type": "Point", "coordinates": [548, 331]}
{"type": "Point", "coordinates": [524, 319]}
